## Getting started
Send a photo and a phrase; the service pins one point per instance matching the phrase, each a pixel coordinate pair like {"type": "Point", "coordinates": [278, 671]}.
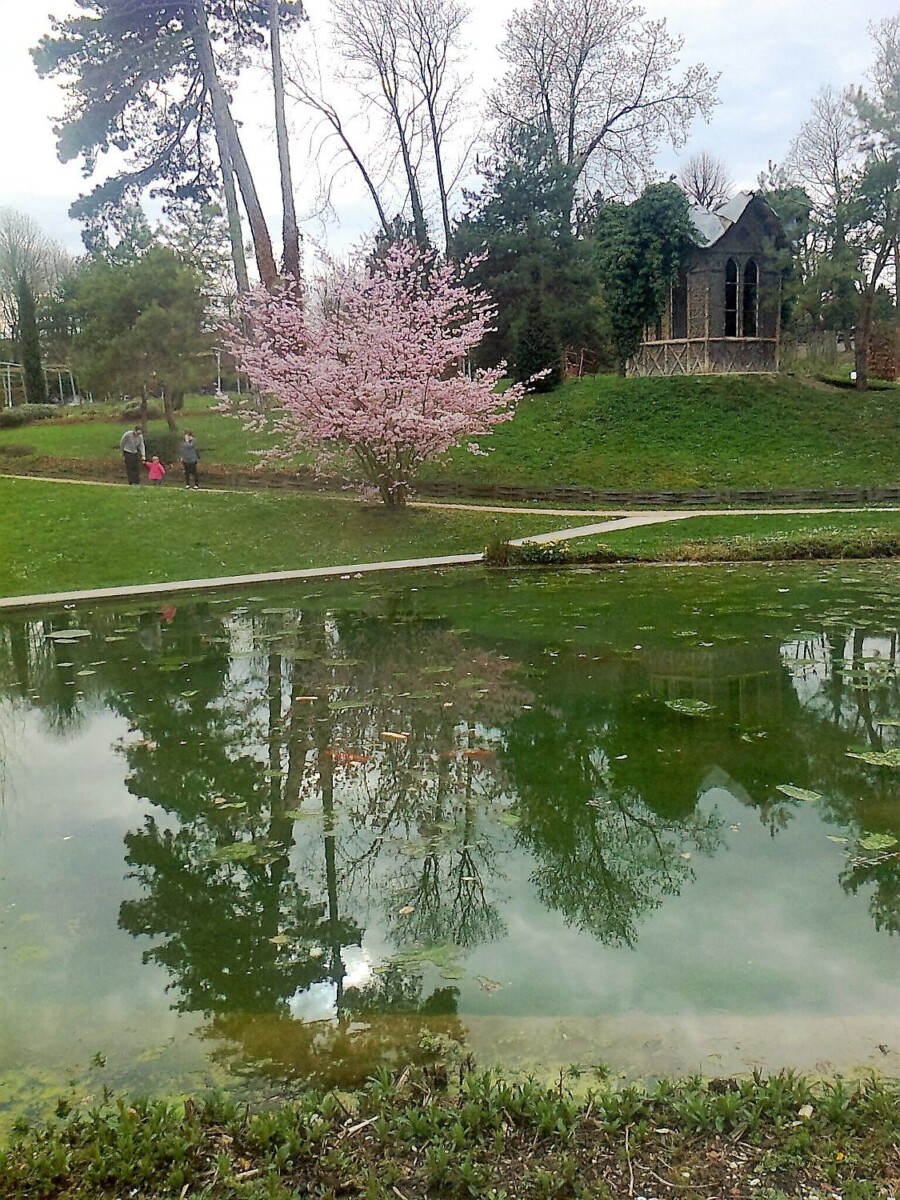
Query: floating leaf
{"type": "Point", "coordinates": [442, 956]}
{"type": "Point", "coordinates": [690, 708]}
{"type": "Point", "coordinates": [453, 972]}
{"type": "Point", "coordinates": [797, 793]}
{"type": "Point", "coordinates": [877, 841]}
{"type": "Point", "coordinates": [489, 985]}
{"type": "Point", "coordinates": [878, 758]}
{"type": "Point", "coordinates": [405, 910]}
{"type": "Point", "coordinates": [235, 852]}
{"type": "Point", "coordinates": [68, 635]}
{"type": "Point", "coordinates": [343, 705]}
{"type": "Point", "coordinates": [280, 939]}
{"type": "Point", "coordinates": [299, 814]}
{"type": "Point", "coordinates": [394, 737]}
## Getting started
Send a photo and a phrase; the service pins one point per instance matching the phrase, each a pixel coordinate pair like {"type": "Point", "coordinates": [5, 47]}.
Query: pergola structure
{"type": "Point", "coordinates": [57, 379]}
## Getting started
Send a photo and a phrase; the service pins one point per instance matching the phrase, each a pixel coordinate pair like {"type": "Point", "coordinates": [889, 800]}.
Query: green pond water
{"type": "Point", "coordinates": [643, 818]}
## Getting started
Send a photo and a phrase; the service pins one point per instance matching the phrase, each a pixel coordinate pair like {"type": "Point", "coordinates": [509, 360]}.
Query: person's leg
{"type": "Point", "coordinates": [132, 467]}
{"type": "Point", "coordinates": [187, 474]}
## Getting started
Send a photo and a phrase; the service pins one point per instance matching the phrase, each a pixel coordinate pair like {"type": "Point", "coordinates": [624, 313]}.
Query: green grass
{"type": "Point", "coordinates": [606, 432]}
{"type": "Point", "coordinates": [62, 536]}
{"type": "Point", "coordinates": [221, 439]}
{"type": "Point", "coordinates": [781, 1137]}
{"type": "Point", "coordinates": [658, 542]}
{"type": "Point", "coordinates": [701, 432]}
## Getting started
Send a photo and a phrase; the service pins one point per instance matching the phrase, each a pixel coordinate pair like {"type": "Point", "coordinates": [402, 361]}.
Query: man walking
{"type": "Point", "coordinates": [134, 453]}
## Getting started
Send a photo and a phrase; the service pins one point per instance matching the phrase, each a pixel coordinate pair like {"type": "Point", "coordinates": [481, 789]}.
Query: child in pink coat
{"type": "Point", "coordinates": [155, 470]}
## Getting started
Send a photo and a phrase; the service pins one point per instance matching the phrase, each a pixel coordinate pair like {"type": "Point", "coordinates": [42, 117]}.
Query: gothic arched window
{"type": "Point", "coordinates": [750, 307]}
{"type": "Point", "coordinates": [731, 298]}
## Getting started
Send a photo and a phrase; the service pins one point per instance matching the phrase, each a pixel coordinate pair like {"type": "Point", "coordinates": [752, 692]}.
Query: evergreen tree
{"type": "Point", "coordinates": [533, 264]}
{"type": "Point", "coordinates": [30, 346]}
{"type": "Point", "coordinates": [537, 351]}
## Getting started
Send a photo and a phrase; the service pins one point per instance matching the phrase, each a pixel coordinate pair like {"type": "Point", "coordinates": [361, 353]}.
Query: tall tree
{"type": "Point", "coordinates": [824, 161]}
{"type": "Point", "coordinates": [290, 232]}
{"type": "Point", "coordinates": [538, 273]}
{"type": "Point", "coordinates": [706, 180]}
{"type": "Point", "coordinates": [403, 58]}
{"type": "Point", "coordinates": [29, 345]}
{"type": "Point", "coordinates": [147, 80]}
{"type": "Point", "coordinates": [601, 81]}
{"type": "Point", "coordinates": [25, 250]}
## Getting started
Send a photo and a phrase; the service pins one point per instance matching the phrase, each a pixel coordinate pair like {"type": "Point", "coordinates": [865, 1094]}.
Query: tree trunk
{"type": "Point", "coordinates": [863, 334]}
{"type": "Point", "coordinates": [290, 261]}
{"type": "Point", "coordinates": [169, 406]}
{"type": "Point", "coordinates": [227, 131]}
{"type": "Point", "coordinates": [232, 213]}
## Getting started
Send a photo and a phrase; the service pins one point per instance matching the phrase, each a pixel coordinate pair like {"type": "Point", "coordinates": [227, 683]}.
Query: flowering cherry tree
{"type": "Point", "coordinates": [377, 366]}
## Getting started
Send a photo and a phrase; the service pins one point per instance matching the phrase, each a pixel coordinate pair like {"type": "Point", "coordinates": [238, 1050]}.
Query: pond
{"type": "Point", "coordinates": [639, 819]}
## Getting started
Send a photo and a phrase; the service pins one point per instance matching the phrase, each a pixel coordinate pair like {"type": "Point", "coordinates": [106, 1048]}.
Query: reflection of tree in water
{"type": "Point", "coordinates": [242, 756]}
{"type": "Point", "coordinates": [604, 858]}
{"type": "Point", "coordinates": [849, 678]}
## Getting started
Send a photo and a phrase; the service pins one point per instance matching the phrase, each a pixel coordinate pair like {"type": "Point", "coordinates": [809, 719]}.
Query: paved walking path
{"type": "Point", "coordinates": [622, 520]}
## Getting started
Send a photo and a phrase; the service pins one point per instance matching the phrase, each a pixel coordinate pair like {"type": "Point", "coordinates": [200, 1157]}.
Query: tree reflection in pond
{"type": "Point", "coordinates": [346, 806]}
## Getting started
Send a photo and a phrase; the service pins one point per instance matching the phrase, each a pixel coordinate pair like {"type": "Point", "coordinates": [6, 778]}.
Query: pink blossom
{"type": "Point", "coordinates": [378, 370]}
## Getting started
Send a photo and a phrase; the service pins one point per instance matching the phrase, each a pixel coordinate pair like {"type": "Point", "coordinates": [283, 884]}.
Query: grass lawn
{"type": "Point", "coordinates": [741, 529]}
{"type": "Point", "coordinates": [700, 432]}
{"type": "Point", "coordinates": [221, 439]}
{"type": "Point", "coordinates": [607, 432]}
{"type": "Point", "coordinates": [61, 536]}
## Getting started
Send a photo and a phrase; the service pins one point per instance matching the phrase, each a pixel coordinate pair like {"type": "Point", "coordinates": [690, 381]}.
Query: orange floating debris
{"type": "Point", "coordinates": [345, 756]}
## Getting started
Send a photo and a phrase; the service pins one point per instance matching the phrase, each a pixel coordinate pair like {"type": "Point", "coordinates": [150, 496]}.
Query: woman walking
{"type": "Point", "coordinates": [190, 456]}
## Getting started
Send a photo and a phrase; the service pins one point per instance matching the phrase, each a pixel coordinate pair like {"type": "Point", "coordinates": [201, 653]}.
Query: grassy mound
{"type": "Point", "coordinates": [601, 432]}
{"type": "Point", "coordinates": [700, 432]}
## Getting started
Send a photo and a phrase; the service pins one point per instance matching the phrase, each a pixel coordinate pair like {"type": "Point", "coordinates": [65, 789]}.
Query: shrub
{"type": "Point", "coordinates": [165, 444]}
{"type": "Point", "coordinates": [16, 450]}
{"type": "Point", "coordinates": [26, 414]}
{"type": "Point", "coordinates": [529, 554]}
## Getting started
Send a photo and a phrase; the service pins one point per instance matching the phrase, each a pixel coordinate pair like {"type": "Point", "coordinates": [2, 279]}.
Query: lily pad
{"type": "Point", "coordinates": [235, 852]}
{"type": "Point", "coordinates": [878, 758]}
{"type": "Point", "coordinates": [690, 708]}
{"type": "Point", "coordinates": [877, 841]}
{"type": "Point", "coordinates": [797, 793]}
{"type": "Point", "coordinates": [68, 635]}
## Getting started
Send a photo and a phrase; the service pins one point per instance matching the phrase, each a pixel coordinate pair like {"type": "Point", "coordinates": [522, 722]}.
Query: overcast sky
{"type": "Point", "coordinates": [773, 55]}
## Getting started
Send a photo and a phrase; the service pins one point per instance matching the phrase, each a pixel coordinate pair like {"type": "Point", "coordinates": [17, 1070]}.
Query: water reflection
{"type": "Point", "coordinates": [351, 801]}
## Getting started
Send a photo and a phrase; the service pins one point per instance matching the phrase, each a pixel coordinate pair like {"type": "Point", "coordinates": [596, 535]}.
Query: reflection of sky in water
{"type": "Point", "coordinates": [73, 983]}
{"type": "Point", "coordinates": [759, 927]}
